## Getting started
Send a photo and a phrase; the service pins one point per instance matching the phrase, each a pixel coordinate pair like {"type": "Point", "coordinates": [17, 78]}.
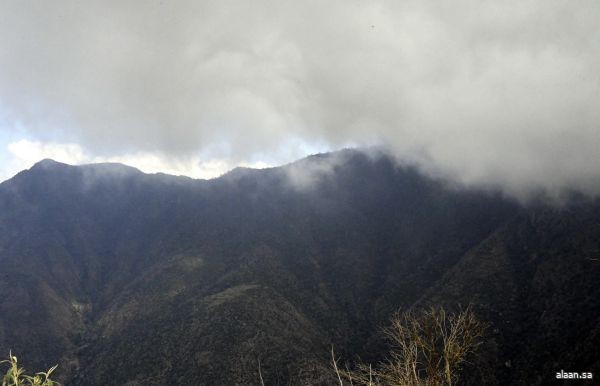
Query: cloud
{"type": "Point", "coordinates": [306, 174]}
{"type": "Point", "coordinates": [23, 154]}
{"type": "Point", "coordinates": [483, 92]}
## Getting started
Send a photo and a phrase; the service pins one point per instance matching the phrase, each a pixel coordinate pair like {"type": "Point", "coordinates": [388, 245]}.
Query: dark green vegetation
{"type": "Point", "coordinates": [155, 280]}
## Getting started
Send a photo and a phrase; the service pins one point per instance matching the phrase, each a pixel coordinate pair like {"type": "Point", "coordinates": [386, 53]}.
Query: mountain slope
{"type": "Point", "coordinates": [129, 278]}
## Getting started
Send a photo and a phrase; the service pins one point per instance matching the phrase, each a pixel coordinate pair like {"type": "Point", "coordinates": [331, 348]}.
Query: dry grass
{"type": "Point", "coordinates": [429, 348]}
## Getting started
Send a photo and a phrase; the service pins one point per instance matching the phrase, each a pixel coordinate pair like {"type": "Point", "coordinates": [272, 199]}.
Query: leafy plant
{"type": "Point", "coordinates": [16, 376]}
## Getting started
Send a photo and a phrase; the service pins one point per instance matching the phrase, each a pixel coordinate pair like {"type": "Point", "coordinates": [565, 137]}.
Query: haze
{"type": "Point", "coordinates": [484, 93]}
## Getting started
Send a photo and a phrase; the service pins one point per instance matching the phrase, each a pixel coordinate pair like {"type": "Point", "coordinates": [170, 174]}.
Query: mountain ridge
{"type": "Point", "coordinates": [147, 278]}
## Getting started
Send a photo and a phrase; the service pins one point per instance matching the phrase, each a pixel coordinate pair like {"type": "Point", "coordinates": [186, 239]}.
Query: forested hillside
{"type": "Point", "coordinates": [155, 279]}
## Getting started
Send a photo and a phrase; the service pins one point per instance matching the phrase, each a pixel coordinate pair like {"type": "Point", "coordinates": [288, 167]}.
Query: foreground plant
{"type": "Point", "coordinates": [429, 348]}
{"type": "Point", "coordinates": [15, 375]}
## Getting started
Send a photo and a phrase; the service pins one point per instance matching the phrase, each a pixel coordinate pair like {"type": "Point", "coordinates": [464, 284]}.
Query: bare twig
{"type": "Point", "coordinates": [262, 382]}
{"type": "Point", "coordinates": [337, 371]}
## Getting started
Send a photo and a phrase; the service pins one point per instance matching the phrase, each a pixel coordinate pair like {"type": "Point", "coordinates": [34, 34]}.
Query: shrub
{"type": "Point", "coordinates": [428, 347]}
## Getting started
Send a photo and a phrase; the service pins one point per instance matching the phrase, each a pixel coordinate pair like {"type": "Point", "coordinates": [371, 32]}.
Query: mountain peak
{"type": "Point", "coordinates": [98, 168]}
{"type": "Point", "coordinates": [47, 163]}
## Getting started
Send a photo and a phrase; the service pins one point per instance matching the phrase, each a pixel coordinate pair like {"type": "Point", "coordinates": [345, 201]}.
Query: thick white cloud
{"type": "Point", "coordinates": [485, 92]}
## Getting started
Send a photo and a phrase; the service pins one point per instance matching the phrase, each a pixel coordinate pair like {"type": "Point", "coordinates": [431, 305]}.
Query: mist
{"type": "Point", "coordinates": [483, 93]}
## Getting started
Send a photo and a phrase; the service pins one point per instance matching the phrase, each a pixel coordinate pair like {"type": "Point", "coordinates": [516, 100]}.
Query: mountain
{"type": "Point", "coordinates": [127, 278]}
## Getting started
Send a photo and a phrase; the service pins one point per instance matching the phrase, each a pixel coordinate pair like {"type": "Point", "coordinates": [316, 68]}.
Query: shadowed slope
{"type": "Point", "coordinates": [144, 279]}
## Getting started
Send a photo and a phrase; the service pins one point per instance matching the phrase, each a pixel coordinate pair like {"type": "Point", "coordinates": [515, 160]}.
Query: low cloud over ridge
{"type": "Point", "coordinates": [486, 93]}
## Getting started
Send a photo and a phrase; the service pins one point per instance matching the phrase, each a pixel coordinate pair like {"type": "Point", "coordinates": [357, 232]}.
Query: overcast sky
{"type": "Point", "coordinates": [500, 93]}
